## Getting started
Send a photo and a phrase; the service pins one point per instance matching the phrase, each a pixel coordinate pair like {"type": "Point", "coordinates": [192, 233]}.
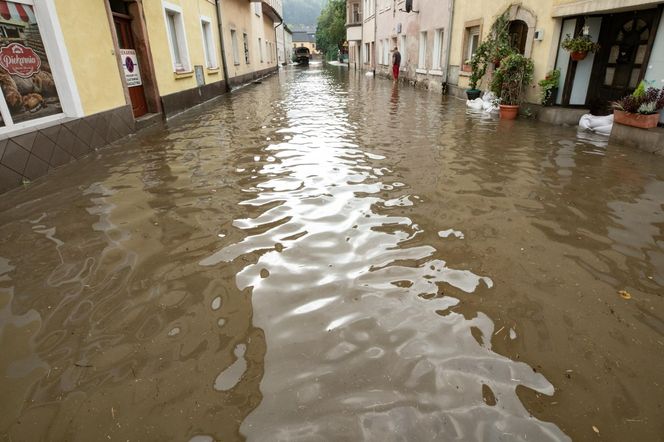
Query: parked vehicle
{"type": "Point", "coordinates": [302, 55]}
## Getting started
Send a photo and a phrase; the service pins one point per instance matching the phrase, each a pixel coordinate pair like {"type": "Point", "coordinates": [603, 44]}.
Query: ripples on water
{"type": "Point", "coordinates": [359, 343]}
{"type": "Point", "coordinates": [257, 271]}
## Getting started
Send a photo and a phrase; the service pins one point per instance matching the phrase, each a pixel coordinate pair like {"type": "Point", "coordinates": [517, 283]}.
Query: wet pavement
{"type": "Point", "coordinates": [325, 256]}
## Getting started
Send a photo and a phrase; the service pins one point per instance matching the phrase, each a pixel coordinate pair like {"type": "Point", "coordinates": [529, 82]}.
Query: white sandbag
{"type": "Point", "coordinates": [598, 124]}
{"type": "Point", "coordinates": [477, 103]}
{"type": "Point", "coordinates": [604, 130]}
{"type": "Point", "coordinates": [584, 122]}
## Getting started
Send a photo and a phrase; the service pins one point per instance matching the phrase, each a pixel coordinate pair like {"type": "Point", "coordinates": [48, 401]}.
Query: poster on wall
{"type": "Point", "coordinates": [132, 72]}
{"type": "Point", "coordinates": [26, 81]}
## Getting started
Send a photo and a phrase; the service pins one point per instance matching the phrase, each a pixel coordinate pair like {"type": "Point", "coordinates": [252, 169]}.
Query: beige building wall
{"type": "Point", "coordinates": [237, 18]}
{"type": "Point", "coordinates": [563, 8]}
{"type": "Point", "coordinates": [95, 70]}
{"type": "Point", "coordinates": [192, 10]}
{"type": "Point", "coordinates": [536, 14]}
{"type": "Point", "coordinates": [397, 28]}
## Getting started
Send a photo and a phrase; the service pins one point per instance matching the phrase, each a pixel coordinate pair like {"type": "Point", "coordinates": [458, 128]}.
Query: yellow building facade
{"type": "Point", "coordinates": [630, 34]}
{"type": "Point", "coordinates": [80, 74]}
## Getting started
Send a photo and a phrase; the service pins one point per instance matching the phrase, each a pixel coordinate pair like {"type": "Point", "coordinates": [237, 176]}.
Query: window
{"type": "Point", "coordinates": [257, 8]}
{"type": "Point", "coordinates": [260, 49]}
{"type": "Point", "coordinates": [355, 16]}
{"type": "Point", "coordinates": [246, 47]}
{"type": "Point", "coordinates": [29, 90]}
{"type": "Point", "coordinates": [236, 50]}
{"type": "Point", "coordinates": [438, 48]}
{"type": "Point", "coordinates": [208, 44]}
{"type": "Point", "coordinates": [403, 49]}
{"type": "Point", "coordinates": [176, 37]}
{"type": "Point", "coordinates": [422, 63]}
{"type": "Point", "coordinates": [472, 42]}
{"type": "Point", "coordinates": [386, 52]}
{"type": "Point", "coordinates": [380, 52]}
{"type": "Point", "coordinates": [367, 53]}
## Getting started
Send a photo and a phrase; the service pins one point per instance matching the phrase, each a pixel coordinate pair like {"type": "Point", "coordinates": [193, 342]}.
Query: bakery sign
{"type": "Point", "coordinates": [19, 60]}
{"type": "Point", "coordinates": [130, 66]}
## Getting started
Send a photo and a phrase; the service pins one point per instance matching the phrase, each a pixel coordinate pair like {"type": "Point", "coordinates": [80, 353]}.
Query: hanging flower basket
{"type": "Point", "coordinates": [578, 47]}
{"type": "Point", "coordinates": [578, 55]}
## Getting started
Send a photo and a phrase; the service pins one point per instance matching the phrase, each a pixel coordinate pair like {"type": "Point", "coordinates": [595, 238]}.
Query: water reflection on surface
{"type": "Point", "coordinates": [325, 256]}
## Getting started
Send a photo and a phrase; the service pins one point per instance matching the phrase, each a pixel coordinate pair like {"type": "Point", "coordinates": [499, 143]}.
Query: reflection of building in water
{"type": "Point", "coordinates": [77, 75]}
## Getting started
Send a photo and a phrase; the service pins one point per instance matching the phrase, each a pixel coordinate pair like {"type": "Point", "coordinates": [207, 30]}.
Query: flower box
{"type": "Point", "coordinates": [635, 120]}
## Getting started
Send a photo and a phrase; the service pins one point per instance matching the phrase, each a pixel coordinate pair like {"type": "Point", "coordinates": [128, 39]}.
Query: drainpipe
{"type": "Point", "coordinates": [276, 46]}
{"type": "Point", "coordinates": [450, 24]}
{"type": "Point", "coordinates": [283, 31]}
{"type": "Point", "coordinates": [227, 80]}
{"type": "Point", "coordinates": [375, 35]}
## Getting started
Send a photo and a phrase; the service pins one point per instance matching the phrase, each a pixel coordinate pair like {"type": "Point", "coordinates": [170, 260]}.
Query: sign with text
{"type": "Point", "coordinates": [130, 65]}
{"type": "Point", "coordinates": [19, 60]}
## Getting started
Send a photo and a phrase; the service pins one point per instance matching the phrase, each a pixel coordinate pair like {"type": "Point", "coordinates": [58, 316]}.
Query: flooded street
{"type": "Point", "coordinates": [324, 256]}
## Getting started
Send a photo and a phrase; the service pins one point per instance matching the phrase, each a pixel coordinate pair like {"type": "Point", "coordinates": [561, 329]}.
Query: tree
{"type": "Point", "coordinates": [331, 30]}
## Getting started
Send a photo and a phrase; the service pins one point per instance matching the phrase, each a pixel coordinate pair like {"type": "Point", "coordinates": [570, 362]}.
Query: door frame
{"type": "Point", "coordinates": [142, 43]}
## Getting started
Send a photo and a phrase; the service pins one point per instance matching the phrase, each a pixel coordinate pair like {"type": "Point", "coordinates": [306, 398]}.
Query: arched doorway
{"type": "Point", "coordinates": [518, 32]}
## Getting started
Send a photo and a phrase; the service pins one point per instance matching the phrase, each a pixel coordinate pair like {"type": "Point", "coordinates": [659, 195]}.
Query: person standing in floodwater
{"type": "Point", "coordinates": [396, 63]}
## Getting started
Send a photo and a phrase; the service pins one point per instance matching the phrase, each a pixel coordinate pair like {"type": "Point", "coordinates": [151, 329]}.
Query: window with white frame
{"type": "Point", "coordinates": [260, 49]}
{"type": "Point", "coordinates": [380, 52]}
{"type": "Point", "coordinates": [208, 44]}
{"type": "Point", "coordinates": [367, 53]}
{"type": "Point", "coordinates": [422, 61]}
{"type": "Point", "coordinates": [33, 67]}
{"type": "Point", "coordinates": [245, 41]}
{"type": "Point", "coordinates": [403, 49]}
{"type": "Point", "coordinates": [176, 37]}
{"type": "Point", "coordinates": [236, 48]}
{"type": "Point", "coordinates": [472, 42]}
{"type": "Point", "coordinates": [257, 8]}
{"type": "Point", "coordinates": [438, 47]}
{"type": "Point", "coordinates": [386, 53]}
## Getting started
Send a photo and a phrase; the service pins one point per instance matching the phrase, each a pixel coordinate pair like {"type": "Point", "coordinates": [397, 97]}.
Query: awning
{"type": "Point", "coordinates": [17, 12]}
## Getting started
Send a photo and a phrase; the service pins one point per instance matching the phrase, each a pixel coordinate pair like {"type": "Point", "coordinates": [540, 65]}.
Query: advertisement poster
{"type": "Point", "coordinates": [130, 65]}
{"type": "Point", "coordinates": [26, 81]}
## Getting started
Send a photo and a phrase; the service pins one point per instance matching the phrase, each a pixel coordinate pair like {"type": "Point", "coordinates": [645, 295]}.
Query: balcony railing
{"type": "Point", "coordinates": [354, 18]}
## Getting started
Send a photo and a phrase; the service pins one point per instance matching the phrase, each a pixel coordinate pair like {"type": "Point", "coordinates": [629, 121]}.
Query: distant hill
{"type": "Point", "coordinates": [302, 14]}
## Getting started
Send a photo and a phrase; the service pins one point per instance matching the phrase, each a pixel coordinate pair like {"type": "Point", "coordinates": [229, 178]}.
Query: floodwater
{"type": "Point", "coordinates": [325, 256]}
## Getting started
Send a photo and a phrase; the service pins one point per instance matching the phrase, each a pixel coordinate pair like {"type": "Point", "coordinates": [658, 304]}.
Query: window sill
{"type": "Point", "coordinates": [421, 71]}
{"type": "Point", "coordinates": [212, 71]}
{"type": "Point", "coordinates": [464, 74]}
{"type": "Point", "coordinates": [436, 72]}
{"type": "Point", "coordinates": [183, 75]}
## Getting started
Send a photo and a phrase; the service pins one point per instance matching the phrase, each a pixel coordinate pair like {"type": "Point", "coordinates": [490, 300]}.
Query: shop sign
{"type": "Point", "coordinates": [19, 60]}
{"type": "Point", "coordinates": [130, 65]}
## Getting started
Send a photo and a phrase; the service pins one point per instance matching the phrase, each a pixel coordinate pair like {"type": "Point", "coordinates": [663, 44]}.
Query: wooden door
{"type": "Point", "coordinates": [625, 44]}
{"type": "Point", "coordinates": [126, 41]}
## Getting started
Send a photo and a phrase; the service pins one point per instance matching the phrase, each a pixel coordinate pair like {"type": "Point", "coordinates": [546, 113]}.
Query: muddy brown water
{"type": "Point", "coordinates": [327, 257]}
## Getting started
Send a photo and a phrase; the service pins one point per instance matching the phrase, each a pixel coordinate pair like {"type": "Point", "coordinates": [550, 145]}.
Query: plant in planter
{"type": "Point", "coordinates": [578, 47]}
{"type": "Point", "coordinates": [549, 87]}
{"type": "Point", "coordinates": [641, 108]}
{"type": "Point", "coordinates": [509, 81]}
{"type": "Point", "coordinates": [478, 66]}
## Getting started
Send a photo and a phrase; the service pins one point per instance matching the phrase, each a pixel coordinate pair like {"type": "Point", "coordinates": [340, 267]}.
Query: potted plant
{"type": "Point", "coordinates": [549, 87]}
{"type": "Point", "coordinates": [478, 65]}
{"type": "Point", "coordinates": [509, 81]}
{"type": "Point", "coordinates": [578, 47]}
{"type": "Point", "coordinates": [641, 108]}
{"type": "Point", "coordinates": [466, 67]}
